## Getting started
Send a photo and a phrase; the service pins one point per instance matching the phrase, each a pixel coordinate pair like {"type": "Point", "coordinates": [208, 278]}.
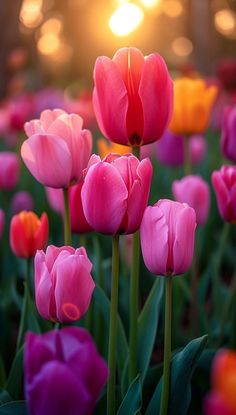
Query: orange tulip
{"type": "Point", "coordinates": [106, 147]}
{"type": "Point", "coordinates": [28, 233]}
{"type": "Point", "coordinates": [193, 101]}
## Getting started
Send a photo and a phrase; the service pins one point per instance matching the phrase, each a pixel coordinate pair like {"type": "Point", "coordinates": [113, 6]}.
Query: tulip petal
{"type": "Point", "coordinates": [48, 116]}
{"type": "Point", "coordinates": [104, 198]}
{"type": "Point", "coordinates": [111, 95]}
{"type": "Point", "coordinates": [156, 94]}
{"type": "Point", "coordinates": [48, 159]}
{"type": "Point", "coordinates": [43, 288]}
{"type": "Point", "coordinates": [154, 240]}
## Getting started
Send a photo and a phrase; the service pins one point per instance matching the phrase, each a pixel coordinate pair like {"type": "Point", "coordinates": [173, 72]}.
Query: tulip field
{"type": "Point", "coordinates": [117, 244]}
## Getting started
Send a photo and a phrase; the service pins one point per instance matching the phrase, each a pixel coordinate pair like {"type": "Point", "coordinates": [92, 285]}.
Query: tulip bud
{"type": "Point", "coordinates": [167, 237]}
{"type": "Point", "coordinates": [28, 233]}
{"type": "Point", "coordinates": [64, 373]}
{"type": "Point", "coordinates": [194, 191]}
{"type": "Point", "coordinates": [115, 193]}
{"type": "Point", "coordinates": [63, 283]}
{"type": "Point", "coordinates": [224, 184]}
{"type": "Point", "coordinates": [132, 97]}
{"type": "Point", "coordinates": [9, 170]}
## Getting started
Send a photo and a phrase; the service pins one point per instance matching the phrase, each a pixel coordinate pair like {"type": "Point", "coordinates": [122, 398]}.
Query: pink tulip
{"type": "Point", "coordinates": [115, 193]}
{"type": "Point", "coordinates": [55, 199]}
{"type": "Point", "coordinates": [194, 191]}
{"type": "Point", "coordinates": [224, 183]}
{"type": "Point", "coordinates": [57, 149]}
{"type": "Point", "coordinates": [2, 222]}
{"type": "Point", "coordinates": [228, 138]}
{"type": "Point", "coordinates": [9, 170]}
{"type": "Point", "coordinates": [133, 97]}
{"type": "Point", "coordinates": [167, 237]}
{"type": "Point", "coordinates": [198, 148]}
{"type": "Point", "coordinates": [21, 201]}
{"type": "Point", "coordinates": [63, 283]}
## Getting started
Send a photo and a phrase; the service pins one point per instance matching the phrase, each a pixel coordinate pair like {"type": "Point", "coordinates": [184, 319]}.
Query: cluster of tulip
{"type": "Point", "coordinates": [143, 114]}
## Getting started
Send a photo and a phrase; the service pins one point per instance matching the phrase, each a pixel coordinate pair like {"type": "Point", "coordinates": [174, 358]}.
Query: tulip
{"type": "Point", "coordinates": [21, 201]}
{"type": "Point", "coordinates": [194, 191]}
{"type": "Point", "coordinates": [28, 233]}
{"type": "Point", "coordinates": [224, 184]}
{"type": "Point", "coordinates": [2, 222]}
{"type": "Point", "coordinates": [170, 149]}
{"type": "Point", "coordinates": [226, 72]}
{"type": "Point", "coordinates": [57, 149]}
{"type": "Point", "coordinates": [193, 101]}
{"type": "Point", "coordinates": [228, 138]}
{"type": "Point", "coordinates": [55, 199]}
{"type": "Point", "coordinates": [63, 283]}
{"type": "Point", "coordinates": [167, 237]}
{"type": "Point", "coordinates": [9, 170]}
{"type": "Point", "coordinates": [64, 374]}
{"type": "Point", "coordinates": [115, 193]}
{"type": "Point", "coordinates": [132, 97]}
{"type": "Point", "coordinates": [222, 398]}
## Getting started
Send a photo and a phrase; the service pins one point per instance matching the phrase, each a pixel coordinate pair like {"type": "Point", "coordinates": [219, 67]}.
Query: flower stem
{"type": "Point", "coordinates": [67, 228]}
{"type": "Point", "coordinates": [187, 157]}
{"type": "Point", "coordinates": [134, 293]}
{"type": "Point", "coordinates": [111, 401]}
{"type": "Point", "coordinates": [167, 347]}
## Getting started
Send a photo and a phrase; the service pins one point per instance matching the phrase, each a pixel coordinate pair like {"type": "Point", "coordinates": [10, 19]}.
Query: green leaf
{"type": "Point", "coordinates": [132, 401]}
{"type": "Point", "coordinates": [182, 367]}
{"type": "Point", "coordinates": [4, 397]}
{"type": "Point", "coordinates": [122, 344]}
{"type": "Point", "coordinates": [14, 381]}
{"type": "Point", "coordinates": [14, 408]}
{"type": "Point", "coordinates": [147, 325]}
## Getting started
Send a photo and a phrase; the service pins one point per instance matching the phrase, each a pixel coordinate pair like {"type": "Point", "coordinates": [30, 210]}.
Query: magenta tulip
{"type": "Point", "coordinates": [115, 193]}
{"type": "Point", "coordinates": [21, 200]}
{"type": "Point", "coordinates": [64, 374]}
{"type": "Point", "coordinates": [57, 149]}
{"type": "Point", "coordinates": [2, 222]}
{"type": "Point", "coordinates": [194, 191]}
{"type": "Point", "coordinates": [228, 138]}
{"type": "Point", "coordinates": [133, 97]}
{"type": "Point", "coordinates": [224, 183]}
{"type": "Point", "coordinates": [167, 237]}
{"type": "Point", "coordinates": [63, 283]}
{"type": "Point", "coordinates": [9, 170]}
{"type": "Point", "coordinates": [78, 221]}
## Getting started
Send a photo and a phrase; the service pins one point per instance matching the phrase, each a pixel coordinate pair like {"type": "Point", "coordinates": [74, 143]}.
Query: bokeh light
{"type": "Point", "coordinates": [31, 13]}
{"type": "Point", "coordinates": [52, 25]}
{"type": "Point", "coordinates": [126, 19]}
{"type": "Point", "coordinates": [150, 3]}
{"type": "Point", "coordinates": [182, 46]}
{"type": "Point", "coordinates": [48, 44]}
{"type": "Point", "coordinates": [225, 21]}
{"type": "Point", "coordinates": [172, 8]}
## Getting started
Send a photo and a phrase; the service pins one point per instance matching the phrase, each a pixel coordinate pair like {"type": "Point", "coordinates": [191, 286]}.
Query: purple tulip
{"type": "Point", "coordinates": [21, 201]}
{"type": "Point", "coordinates": [64, 373]}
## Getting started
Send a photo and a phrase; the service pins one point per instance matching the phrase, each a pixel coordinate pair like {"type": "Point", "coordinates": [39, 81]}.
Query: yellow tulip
{"type": "Point", "coordinates": [193, 101]}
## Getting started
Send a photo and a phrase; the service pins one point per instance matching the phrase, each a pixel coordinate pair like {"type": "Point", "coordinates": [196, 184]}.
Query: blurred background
{"type": "Point", "coordinates": [56, 42]}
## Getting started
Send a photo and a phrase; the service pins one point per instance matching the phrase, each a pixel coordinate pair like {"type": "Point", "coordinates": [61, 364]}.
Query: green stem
{"type": "Point", "coordinates": [111, 393]}
{"type": "Point", "coordinates": [187, 157]}
{"type": "Point", "coordinates": [67, 228]}
{"type": "Point", "coordinates": [25, 305]}
{"type": "Point", "coordinates": [216, 271]}
{"type": "Point", "coordinates": [134, 297]}
{"type": "Point", "coordinates": [167, 347]}
{"type": "Point", "coordinates": [136, 152]}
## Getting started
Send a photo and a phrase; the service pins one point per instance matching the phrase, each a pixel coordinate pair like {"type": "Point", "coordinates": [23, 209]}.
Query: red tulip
{"type": "Point", "coordinates": [115, 193]}
{"type": "Point", "coordinates": [28, 233]}
{"type": "Point", "coordinates": [133, 97]}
